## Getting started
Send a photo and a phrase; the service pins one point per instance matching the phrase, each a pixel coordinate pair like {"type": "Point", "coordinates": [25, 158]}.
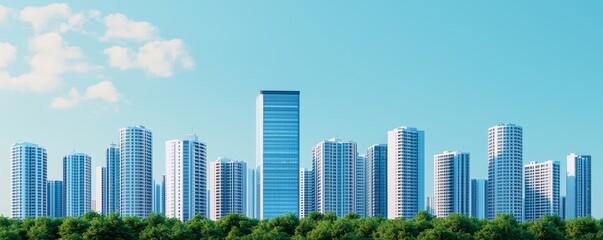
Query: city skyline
{"type": "Point", "coordinates": [396, 63]}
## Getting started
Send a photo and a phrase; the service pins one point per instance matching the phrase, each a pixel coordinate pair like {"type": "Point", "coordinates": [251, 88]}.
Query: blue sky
{"type": "Point", "coordinates": [72, 74]}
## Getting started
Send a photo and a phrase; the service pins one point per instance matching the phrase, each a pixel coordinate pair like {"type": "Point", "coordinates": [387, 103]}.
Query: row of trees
{"type": "Point", "coordinates": [316, 226]}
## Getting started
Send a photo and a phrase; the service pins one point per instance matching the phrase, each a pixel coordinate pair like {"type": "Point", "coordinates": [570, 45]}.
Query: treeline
{"type": "Point", "coordinates": [316, 226]}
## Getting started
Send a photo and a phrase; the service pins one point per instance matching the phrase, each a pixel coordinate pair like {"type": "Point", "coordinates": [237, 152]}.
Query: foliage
{"type": "Point", "coordinates": [318, 226]}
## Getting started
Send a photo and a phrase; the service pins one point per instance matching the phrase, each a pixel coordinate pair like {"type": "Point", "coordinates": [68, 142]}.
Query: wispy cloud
{"type": "Point", "coordinates": [40, 17]}
{"type": "Point", "coordinates": [119, 26]}
{"type": "Point", "coordinates": [50, 56]}
{"type": "Point", "coordinates": [158, 57]}
{"type": "Point", "coordinates": [102, 91]}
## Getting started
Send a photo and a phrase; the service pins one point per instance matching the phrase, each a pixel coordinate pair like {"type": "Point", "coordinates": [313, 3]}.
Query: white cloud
{"type": "Point", "coordinates": [40, 17]}
{"type": "Point", "coordinates": [51, 57]}
{"type": "Point", "coordinates": [104, 91]}
{"type": "Point", "coordinates": [7, 54]}
{"type": "Point", "coordinates": [4, 13]}
{"type": "Point", "coordinates": [119, 57]}
{"type": "Point", "coordinates": [119, 26]}
{"type": "Point", "coordinates": [66, 102]}
{"type": "Point", "coordinates": [158, 57]}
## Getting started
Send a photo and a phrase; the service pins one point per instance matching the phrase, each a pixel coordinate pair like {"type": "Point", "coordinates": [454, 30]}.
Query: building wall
{"type": "Point", "coordinates": [376, 180]}
{"type": "Point", "coordinates": [136, 171]}
{"type": "Point", "coordinates": [479, 193]}
{"type": "Point", "coordinates": [186, 178]}
{"type": "Point", "coordinates": [505, 163]}
{"type": "Point", "coordinates": [541, 189]}
{"type": "Point", "coordinates": [55, 206]}
{"type": "Point", "coordinates": [77, 175]}
{"type": "Point", "coordinates": [277, 152]}
{"type": "Point", "coordinates": [306, 192]}
{"type": "Point", "coordinates": [578, 186]}
{"type": "Point", "coordinates": [405, 172]}
{"type": "Point", "coordinates": [451, 183]}
{"type": "Point", "coordinates": [334, 163]}
{"type": "Point", "coordinates": [113, 180]}
{"type": "Point", "coordinates": [228, 187]}
{"type": "Point", "coordinates": [28, 180]}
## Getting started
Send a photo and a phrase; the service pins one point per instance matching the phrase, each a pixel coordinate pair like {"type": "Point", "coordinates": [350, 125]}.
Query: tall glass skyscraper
{"type": "Point", "coordinates": [112, 162]}
{"type": "Point", "coordinates": [405, 172]}
{"type": "Point", "coordinates": [479, 193]}
{"type": "Point", "coordinates": [334, 164]}
{"type": "Point", "coordinates": [277, 152]}
{"type": "Point", "coordinates": [136, 171]}
{"type": "Point", "coordinates": [505, 170]}
{"type": "Point", "coordinates": [306, 192]}
{"type": "Point", "coordinates": [101, 190]}
{"type": "Point", "coordinates": [578, 186]}
{"type": "Point", "coordinates": [55, 199]}
{"type": "Point", "coordinates": [360, 197]}
{"type": "Point", "coordinates": [541, 190]}
{"type": "Point", "coordinates": [77, 175]}
{"type": "Point", "coordinates": [451, 183]}
{"type": "Point", "coordinates": [376, 180]}
{"type": "Point", "coordinates": [185, 178]}
{"type": "Point", "coordinates": [28, 180]}
{"type": "Point", "coordinates": [228, 187]}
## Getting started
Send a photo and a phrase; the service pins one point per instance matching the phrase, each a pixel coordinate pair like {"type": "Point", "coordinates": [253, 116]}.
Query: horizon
{"type": "Point", "coordinates": [452, 70]}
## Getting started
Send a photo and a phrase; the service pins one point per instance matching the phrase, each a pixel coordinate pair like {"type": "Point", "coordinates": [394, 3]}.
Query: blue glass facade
{"type": "Point", "coordinates": [112, 161]}
{"type": "Point", "coordinates": [77, 175]}
{"type": "Point", "coordinates": [277, 152]}
{"type": "Point", "coordinates": [55, 199]}
{"type": "Point", "coordinates": [376, 180]}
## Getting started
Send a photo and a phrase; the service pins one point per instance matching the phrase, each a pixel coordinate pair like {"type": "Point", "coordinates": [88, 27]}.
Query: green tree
{"type": "Point", "coordinates": [44, 228]}
{"type": "Point", "coordinates": [285, 224]}
{"type": "Point", "coordinates": [111, 227]}
{"type": "Point", "coordinates": [73, 228]}
{"type": "Point", "coordinates": [322, 231]}
{"type": "Point", "coordinates": [203, 228]}
{"type": "Point", "coordinates": [503, 227]}
{"type": "Point", "coordinates": [582, 228]}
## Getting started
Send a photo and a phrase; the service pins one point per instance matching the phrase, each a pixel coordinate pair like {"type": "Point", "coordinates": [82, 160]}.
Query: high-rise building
{"type": "Point", "coordinates": [186, 178]}
{"type": "Point", "coordinates": [505, 163]}
{"type": "Point", "coordinates": [112, 162]}
{"type": "Point", "coordinates": [429, 205]}
{"type": "Point", "coordinates": [451, 183]}
{"type": "Point", "coordinates": [228, 187]}
{"type": "Point", "coordinates": [562, 210]}
{"type": "Point", "coordinates": [55, 204]}
{"type": "Point", "coordinates": [136, 171]}
{"type": "Point", "coordinates": [405, 172]}
{"type": "Point", "coordinates": [251, 193]}
{"type": "Point", "coordinates": [28, 180]}
{"type": "Point", "coordinates": [541, 189]}
{"type": "Point", "coordinates": [479, 193]}
{"type": "Point", "coordinates": [77, 177]}
{"type": "Point", "coordinates": [306, 192]}
{"type": "Point", "coordinates": [159, 196]}
{"type": "Point", "coordinates": [376, 180]}
{"type": "Point", "coordinates": [360, 197]}
{"type": "Point", "coordinates": [101, 190]}
{"type": "Point", "coordinates": [277, 152]}
{"type": "Point", "coordinates": [578, 186]}
{"type": "Point", "coordinates": [334, 163]}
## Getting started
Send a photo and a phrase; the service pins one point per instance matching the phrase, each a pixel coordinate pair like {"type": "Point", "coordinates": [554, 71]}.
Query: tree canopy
{"type": "Point", "coordinates": [316, 226]}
